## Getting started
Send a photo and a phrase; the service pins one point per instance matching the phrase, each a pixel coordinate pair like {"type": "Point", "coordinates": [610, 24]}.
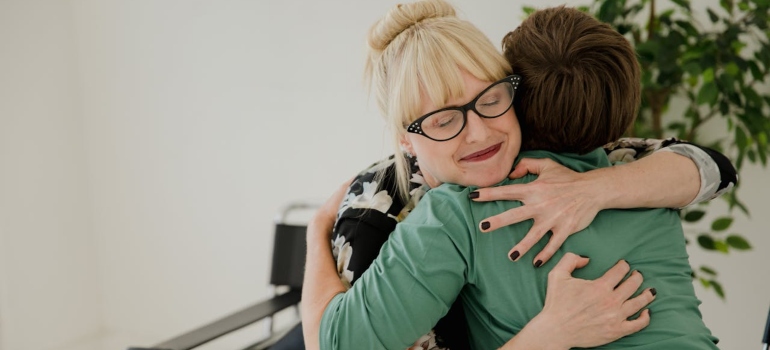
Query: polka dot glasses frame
{"type": "Point", "coordinates": [446, 123]}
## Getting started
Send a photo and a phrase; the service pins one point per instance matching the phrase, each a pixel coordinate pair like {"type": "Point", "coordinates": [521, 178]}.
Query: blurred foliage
{"type": "Point", "coordinates": [717, 70]}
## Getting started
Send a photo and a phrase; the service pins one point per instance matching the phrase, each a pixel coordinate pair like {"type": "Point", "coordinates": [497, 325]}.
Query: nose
{"type": "Point", "coordinates": [476, 128]}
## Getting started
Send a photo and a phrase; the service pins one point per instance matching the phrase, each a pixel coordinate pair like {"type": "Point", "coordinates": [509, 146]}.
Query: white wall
{"type": "Point", "coordinates": [181, 129]}
{"type": "Point", "coordinates": [49, 284]}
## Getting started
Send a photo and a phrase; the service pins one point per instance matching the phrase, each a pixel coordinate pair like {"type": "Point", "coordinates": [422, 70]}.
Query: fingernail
{"type": "Point", "coordinates": [485, 225]}
{"type": "Point", "coordinates": [653, 291]}
{"type": "Point", "coordinates": [538, 263]}
{"type": "Point", "coordinates": [649, 312]}
{"type": "Point", "coordinates": [473, 195]}
{"type": "Point", "coordinates": [584, 257]}
{"type": "Point", "coordinates": [515, 255]}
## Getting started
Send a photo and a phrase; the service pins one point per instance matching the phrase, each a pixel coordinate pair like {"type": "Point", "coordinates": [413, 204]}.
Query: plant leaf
{"type": "Point", "coordinates": [708, 270]}
{"type": "Point", "coordinates": [694, 215]}
{"type": "Point", "coordinates": [721, 246]}
{"type": "Point", "coordinates": [712, 16]}
{"type": "Point", "coordinates": [727, 5]}
{"type": "Point", "coordinates": [528, 10]}
{"type": "Point", "coordinates": [682, 3]}
{"type": "Point", "coordinates": [722, 223]}
{"type": "Point", "coordinates": [718, 289]}
{"type": "Point", "coordinates": [706, 242]}
{"type": "Point", "coordinates": [708, 94]}
{"type": "Point", "coordinates": [738, 242]}
{"type": "Point", "coordinates": [741, 140]}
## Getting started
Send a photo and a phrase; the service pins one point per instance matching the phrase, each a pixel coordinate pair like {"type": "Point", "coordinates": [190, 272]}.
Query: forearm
{"type": "Point", "coordinates": [660, 180]}
{"type": "Point", "coordinates": [321, 282]}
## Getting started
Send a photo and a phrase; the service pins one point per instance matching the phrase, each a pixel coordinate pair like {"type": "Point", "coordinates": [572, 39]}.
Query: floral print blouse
{"type": "Point", "coordinates": [371, 209]}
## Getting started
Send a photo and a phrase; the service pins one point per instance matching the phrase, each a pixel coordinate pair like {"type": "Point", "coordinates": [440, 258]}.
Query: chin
{"type": "Point", "coordinates": [485, 181]}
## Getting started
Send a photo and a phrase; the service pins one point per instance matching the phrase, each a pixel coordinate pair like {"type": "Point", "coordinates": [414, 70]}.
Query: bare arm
{"type": "Point", "coordinates": [321, 282]}
{"type": "Point", "coordinates": [661, 180]}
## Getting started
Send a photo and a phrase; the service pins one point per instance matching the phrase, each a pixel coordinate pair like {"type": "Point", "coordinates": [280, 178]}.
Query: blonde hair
{"type": "Point", "coordinates": [419, 49]}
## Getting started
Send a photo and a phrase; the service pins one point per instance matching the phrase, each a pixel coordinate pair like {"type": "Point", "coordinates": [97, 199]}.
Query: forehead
{"type": "Point", "coordinates": [468, 90]}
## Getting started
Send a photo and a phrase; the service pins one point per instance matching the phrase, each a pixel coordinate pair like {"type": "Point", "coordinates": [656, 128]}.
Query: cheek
{"type": "Point", "coordinates": [437, 159]}
{"type": "Point", "coordinates": [511, 127]}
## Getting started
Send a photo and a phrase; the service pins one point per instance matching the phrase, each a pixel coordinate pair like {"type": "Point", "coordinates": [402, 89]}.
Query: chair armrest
{"type": "Point", "coordinates": [228, 324]}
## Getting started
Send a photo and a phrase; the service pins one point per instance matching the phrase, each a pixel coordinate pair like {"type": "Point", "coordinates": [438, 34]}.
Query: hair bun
{"type": "Point", "coordinates": [403, 17]}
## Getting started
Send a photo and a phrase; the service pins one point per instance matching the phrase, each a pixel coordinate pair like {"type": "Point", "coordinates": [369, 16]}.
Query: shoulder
{"type": "Point", "coordinates": [374, 188]}
{"type": "Point", "coordinates": [445, 206]}
{"type": "Point", "coordinates": [577, 162]}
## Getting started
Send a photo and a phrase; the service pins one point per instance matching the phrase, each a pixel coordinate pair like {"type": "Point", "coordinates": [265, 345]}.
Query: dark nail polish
{"type": "Point", "coordinates": [584, 257]}
{"type": "Point", "coordinates": [649, 312]}
{"type": "Point", "coordinates": [473, 195]}
{"type": "Point", "coordinates": [515, 255]}
{"type": "Point", "coordinates": [538, 263]}
{"type": "Point", "coordinates": [653, 291]}
{"type": "Point", "coordinates": [485, 225]}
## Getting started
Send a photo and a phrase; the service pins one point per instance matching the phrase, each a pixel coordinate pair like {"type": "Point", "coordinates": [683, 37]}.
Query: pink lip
{"type": "Point", "coordinates": [483, 154]}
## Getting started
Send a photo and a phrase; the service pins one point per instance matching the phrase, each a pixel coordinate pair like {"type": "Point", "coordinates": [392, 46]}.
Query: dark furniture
{"type": "Point", "coordinates": [287, 270]}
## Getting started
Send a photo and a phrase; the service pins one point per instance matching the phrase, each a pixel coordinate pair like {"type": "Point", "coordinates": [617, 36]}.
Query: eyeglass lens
{"type": "Point", "coordinates": [448, 123]}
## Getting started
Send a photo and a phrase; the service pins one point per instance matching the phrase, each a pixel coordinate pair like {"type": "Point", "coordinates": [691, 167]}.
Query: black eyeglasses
{"type": "Point", "coordinates": [446, 123]}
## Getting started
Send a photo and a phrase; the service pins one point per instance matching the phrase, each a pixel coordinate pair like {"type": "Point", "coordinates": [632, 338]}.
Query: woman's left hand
{"type": "Point", "coordinates": [560, 200]}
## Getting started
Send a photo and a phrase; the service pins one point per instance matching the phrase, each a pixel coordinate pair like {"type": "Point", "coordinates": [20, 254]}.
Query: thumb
{"type": "Point", "coordinates": [569, 263]}
{"type": "Point", "coordinates": [529, 166]}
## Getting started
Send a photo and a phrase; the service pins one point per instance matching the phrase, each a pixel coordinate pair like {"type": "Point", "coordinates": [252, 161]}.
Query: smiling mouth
{"type": "Point", "coordinates": [483, 154]}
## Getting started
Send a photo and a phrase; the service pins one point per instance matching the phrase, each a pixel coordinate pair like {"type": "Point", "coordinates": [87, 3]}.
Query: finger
{"type": "Point", "coordinates": [515, 192]}
{"type": "Point", "coordinates": [633, 305]}
{"type": "Point", "coordinates": [568, 263]}
{"type": "Point", "coordinates": [556, 241]}
{"type": "Point", "coordinates": [628, 287]}
{"type": "Point", "coordinates": [633, 326]}
{"type": "Point", "coordinates": [529, 166]}
{"type": "Point", "coordinates": [508, 217]}
{"type": "Point", "coordinates": [615, 274]}
{"type": "Point", "coordinates": [534, 235]}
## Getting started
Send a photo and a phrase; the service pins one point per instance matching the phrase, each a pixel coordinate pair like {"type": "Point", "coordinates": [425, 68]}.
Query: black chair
{"type": "Point", "coordinates": [766, 335]}
{"type": "Point", "coordinates": [288, 267]}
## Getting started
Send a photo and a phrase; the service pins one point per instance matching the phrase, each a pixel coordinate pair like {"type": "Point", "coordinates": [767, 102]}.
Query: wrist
{"type": "Point", "coordinates": [602, 188]}
{"type": "Point", "coordinates": [541, 333]}
{"type": "Point", "coordinates": [320, 228]}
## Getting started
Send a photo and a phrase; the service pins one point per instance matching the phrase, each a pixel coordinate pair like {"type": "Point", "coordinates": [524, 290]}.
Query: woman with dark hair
{"type": "Point", "coordinates": [448, 100]}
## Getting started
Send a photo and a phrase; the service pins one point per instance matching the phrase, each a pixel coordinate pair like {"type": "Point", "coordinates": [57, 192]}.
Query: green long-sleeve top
{"type": "Point", "coordinates": [438, 254]}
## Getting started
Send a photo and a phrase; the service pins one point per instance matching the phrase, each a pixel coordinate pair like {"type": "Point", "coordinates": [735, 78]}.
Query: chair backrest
{"type": "Point", "coordinates": [289, 245]}
{"type": "Point", "coordinates": [766, 335]}
{"type": "Point", "coordinates": [288, 255]}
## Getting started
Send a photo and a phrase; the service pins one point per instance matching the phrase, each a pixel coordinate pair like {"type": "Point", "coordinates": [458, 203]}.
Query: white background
{"type": "Point", "coordinates": [145, 147]}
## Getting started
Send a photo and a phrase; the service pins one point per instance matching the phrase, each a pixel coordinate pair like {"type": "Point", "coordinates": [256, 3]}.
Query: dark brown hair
{"type": "Point", "coordinates": [581, 82]}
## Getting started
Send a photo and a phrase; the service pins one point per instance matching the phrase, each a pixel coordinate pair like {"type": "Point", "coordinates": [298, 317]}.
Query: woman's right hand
{"type": "Point", "coordinates": [586, 313]}
{"type": "Point", "coordinates": [322, 222]}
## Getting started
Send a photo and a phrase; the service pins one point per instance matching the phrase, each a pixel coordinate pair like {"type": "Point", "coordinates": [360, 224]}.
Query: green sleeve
{"type": "Point", "coordinates": [412, 283]}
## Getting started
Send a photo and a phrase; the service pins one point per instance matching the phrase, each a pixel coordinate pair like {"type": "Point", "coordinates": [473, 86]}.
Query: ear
{"type": "Point", "coordinates": [406, 145]}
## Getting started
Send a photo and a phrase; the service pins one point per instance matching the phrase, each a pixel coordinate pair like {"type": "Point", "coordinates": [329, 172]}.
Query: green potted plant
{"type": "Point", "coordinates": [714, 69]}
